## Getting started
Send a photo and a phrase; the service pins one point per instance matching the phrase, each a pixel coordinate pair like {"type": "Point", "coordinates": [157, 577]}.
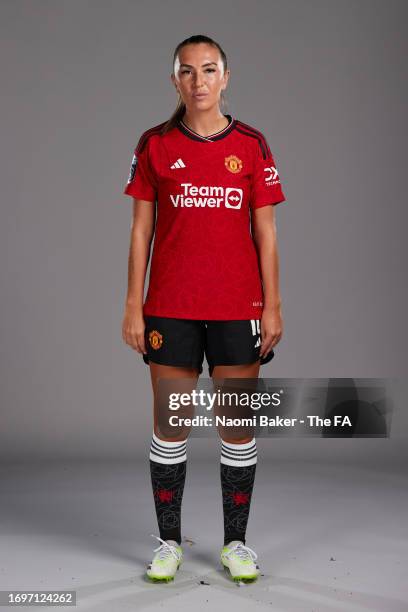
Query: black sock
{"type": "Point", "coordinates": [168, 461]}
{"type": "Point", "coordinates": [238, 465]}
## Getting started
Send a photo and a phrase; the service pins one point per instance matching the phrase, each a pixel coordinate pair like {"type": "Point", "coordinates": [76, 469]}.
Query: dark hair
{"type": "Point", "coordinates": [181, 107]}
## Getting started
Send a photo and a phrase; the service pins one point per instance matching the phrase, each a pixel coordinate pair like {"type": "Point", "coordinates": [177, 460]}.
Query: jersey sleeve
{"type": "Point", "coordinates": [266, 187]}
{"type": "Point", "coordinates": [141, 183]}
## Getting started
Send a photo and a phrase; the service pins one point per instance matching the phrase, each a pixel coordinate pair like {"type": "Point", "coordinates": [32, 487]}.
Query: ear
{"type": "Point", "coordinates": [173, 78]}
{"type": "Point", "coordinates": [226, 79]}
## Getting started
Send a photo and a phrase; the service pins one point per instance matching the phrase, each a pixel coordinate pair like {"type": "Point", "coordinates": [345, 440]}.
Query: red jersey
{"type": "Point", "coordinates": [204, 262]}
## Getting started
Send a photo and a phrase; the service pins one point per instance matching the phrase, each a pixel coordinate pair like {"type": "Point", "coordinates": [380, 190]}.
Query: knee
{"type": "Point", "coordinates": [179, 437]}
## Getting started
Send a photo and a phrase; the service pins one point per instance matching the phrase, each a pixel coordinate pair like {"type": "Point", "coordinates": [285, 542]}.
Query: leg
{"type": "Point", "coordinates": [158, 371]}
{"type": "Point", "coordinates": [238, 465]}
{"type": "Point", "coordinates": [168, 459]}
{"type": "Point", "coordinates": [235, 371]}
{"type": "Point", "coordinates": [250, 370]}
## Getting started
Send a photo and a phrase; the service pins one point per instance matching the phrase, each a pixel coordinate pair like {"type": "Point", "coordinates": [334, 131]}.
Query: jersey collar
{"type": "Point", "coordinates": [212, 137]}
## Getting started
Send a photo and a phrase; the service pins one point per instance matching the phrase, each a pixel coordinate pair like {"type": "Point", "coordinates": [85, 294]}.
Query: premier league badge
{"type": "Point", "coordinates": [132, 168]}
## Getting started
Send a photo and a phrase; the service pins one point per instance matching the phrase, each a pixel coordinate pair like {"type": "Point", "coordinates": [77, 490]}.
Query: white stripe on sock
{"type": "Point", "coordinates": [244, 446]}
{"type": "Point", "coordinates": [167, 451]}
{"type": "Point", "coordinates": [239, 455]}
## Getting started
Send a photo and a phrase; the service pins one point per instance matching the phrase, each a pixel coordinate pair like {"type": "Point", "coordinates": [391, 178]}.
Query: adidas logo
{"type": "Point", "coordinates": [178, 164]}
{"type": "Point", "coordinates": [256, 329]}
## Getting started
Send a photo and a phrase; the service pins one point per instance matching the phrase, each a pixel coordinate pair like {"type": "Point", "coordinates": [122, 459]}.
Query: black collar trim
{"type": "Point", "coordinates": [212, 137]}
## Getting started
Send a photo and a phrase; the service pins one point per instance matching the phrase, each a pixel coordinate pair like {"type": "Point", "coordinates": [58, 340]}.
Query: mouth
{"type": "Point", "coordinates": [200, 96]}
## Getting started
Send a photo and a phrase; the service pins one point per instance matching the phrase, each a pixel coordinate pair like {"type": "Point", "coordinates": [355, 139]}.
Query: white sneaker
{"type": "Point", "coordinates": [239, 559]}
{"type": "Point", "coordinates": [166, 561]}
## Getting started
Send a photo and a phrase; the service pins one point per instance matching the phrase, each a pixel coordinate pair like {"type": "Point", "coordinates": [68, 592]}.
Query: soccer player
{"type": "Point", "coordinates": [214, 281]}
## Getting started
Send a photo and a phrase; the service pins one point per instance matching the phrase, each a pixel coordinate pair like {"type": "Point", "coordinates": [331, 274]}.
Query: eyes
{"type": "Point", "coordinates": [186, 70]}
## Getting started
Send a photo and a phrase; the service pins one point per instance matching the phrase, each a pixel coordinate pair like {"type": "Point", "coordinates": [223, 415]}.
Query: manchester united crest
{"type": "Point", "coordinates": [233, 163]}
{"type": "Point", "coordinates": [155, 339]}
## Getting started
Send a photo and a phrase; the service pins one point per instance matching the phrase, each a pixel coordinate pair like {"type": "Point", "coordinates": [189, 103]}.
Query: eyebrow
{"type": "Point", "coordinates": [206, 64]}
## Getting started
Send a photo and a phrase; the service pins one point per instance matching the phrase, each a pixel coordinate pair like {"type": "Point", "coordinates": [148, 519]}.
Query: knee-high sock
{"type": "Point", "coordinates": [168, 461]}
{"type": "Point", "coordinates": [238, 465]}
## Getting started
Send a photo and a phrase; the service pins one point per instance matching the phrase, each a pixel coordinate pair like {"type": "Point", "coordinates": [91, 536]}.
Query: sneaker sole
{"type": "Point", "coordinates": [157, 578]}
{"type": "Point", "coordinates": [245, 578]}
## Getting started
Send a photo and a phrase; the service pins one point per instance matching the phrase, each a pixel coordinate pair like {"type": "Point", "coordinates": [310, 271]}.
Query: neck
{"type": "Point", "coordinates": [205, 122]}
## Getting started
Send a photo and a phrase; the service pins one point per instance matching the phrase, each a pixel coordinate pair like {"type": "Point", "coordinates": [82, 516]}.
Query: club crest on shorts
{"type": "Point", "coordinates": [233, 163]}
{"type": "Point", "coordinates": [155, 339]}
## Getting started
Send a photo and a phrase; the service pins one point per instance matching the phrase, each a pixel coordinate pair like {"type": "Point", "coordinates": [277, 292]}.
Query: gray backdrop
{"type": "Point", "coordinates": [324, 81]}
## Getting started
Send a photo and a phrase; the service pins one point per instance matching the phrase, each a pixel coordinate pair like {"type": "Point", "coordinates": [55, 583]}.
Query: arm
{"type": "Point", "coordinates": [142, 230]}
{"type": "Point", "coordinates": [264, 235]}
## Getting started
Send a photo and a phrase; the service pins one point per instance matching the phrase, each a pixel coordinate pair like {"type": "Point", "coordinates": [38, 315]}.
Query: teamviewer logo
{"type": "Point", "coordinates": [233, 197]}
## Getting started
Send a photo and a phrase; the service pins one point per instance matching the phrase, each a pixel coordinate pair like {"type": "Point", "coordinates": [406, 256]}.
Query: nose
{"type": "Point", "coordinates": [199, 80]}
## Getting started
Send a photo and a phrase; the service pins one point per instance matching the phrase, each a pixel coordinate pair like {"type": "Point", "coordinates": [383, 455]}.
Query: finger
{"type": "Point", "coordinates": [131, 340]}
{"type": "Point", "coordinates": [141, 342]}
{"type": "Point", "coordinates": [274, 338]}
{"type": "Point", "coordinates": [135, 343]}
{"type": "Point", "coordinates": [278, 337]}
{"type": "Point", "coordinates": [267, 351]}
{"type": "Point", "coordinates": [273, 342]}
{"type": "Point", "coordinates": [264, 345]}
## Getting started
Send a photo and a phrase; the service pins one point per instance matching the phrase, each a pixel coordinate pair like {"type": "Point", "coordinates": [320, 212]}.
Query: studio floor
{"type": "Point", "coordinates": [329, 537]}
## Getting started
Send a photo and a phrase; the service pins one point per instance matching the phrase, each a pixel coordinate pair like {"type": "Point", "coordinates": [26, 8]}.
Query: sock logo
{"type": "Point", "coordinates": [240, 498]}
{"type": "Point", "coordinates": [164, 495]}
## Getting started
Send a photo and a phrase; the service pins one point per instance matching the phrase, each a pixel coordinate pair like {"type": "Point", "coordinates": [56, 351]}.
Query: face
{"type": "Point", "coordinates": [199, 76]}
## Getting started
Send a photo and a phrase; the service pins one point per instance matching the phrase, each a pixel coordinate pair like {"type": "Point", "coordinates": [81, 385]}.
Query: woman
{"type": "Point", "coordinates": [213, 287]}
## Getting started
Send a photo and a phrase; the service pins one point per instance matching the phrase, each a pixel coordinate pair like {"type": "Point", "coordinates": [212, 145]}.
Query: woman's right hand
{"type": "Point", "coordinates": [133, 329]}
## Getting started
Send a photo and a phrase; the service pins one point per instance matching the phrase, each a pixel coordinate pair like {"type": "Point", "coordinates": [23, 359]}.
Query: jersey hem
{"type": "Point", "coordinates": [139, 195]}
{"type": "Point", "coordinates": [255, 206]}
{"type": "Point", "coordinates": [202, 316]}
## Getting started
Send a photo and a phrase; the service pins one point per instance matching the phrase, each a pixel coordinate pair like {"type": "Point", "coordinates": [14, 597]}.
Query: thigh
{"type": "Point", "coordinates": [185, 381]}
{"type": "Point", "coordinates": [250, 370]}
{"type": "Point", "coordinates": [158, 371]}
{"type": "Point", "coordinates": [234, 343]}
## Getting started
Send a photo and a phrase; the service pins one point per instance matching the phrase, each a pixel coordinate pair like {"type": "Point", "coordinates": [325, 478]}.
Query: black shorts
{"type": "Point", "coordinates": [183, 342]}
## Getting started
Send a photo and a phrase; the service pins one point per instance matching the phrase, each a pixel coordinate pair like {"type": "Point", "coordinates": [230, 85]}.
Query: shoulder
{"type": "Point", "coordinates": [148, 136]}
{"type": "Point", "coordinates": [258, 139]}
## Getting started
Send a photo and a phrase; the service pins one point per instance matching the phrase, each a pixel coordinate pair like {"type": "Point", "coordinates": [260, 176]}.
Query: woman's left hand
{"type": "Point", "coordinates": [271, 330]}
